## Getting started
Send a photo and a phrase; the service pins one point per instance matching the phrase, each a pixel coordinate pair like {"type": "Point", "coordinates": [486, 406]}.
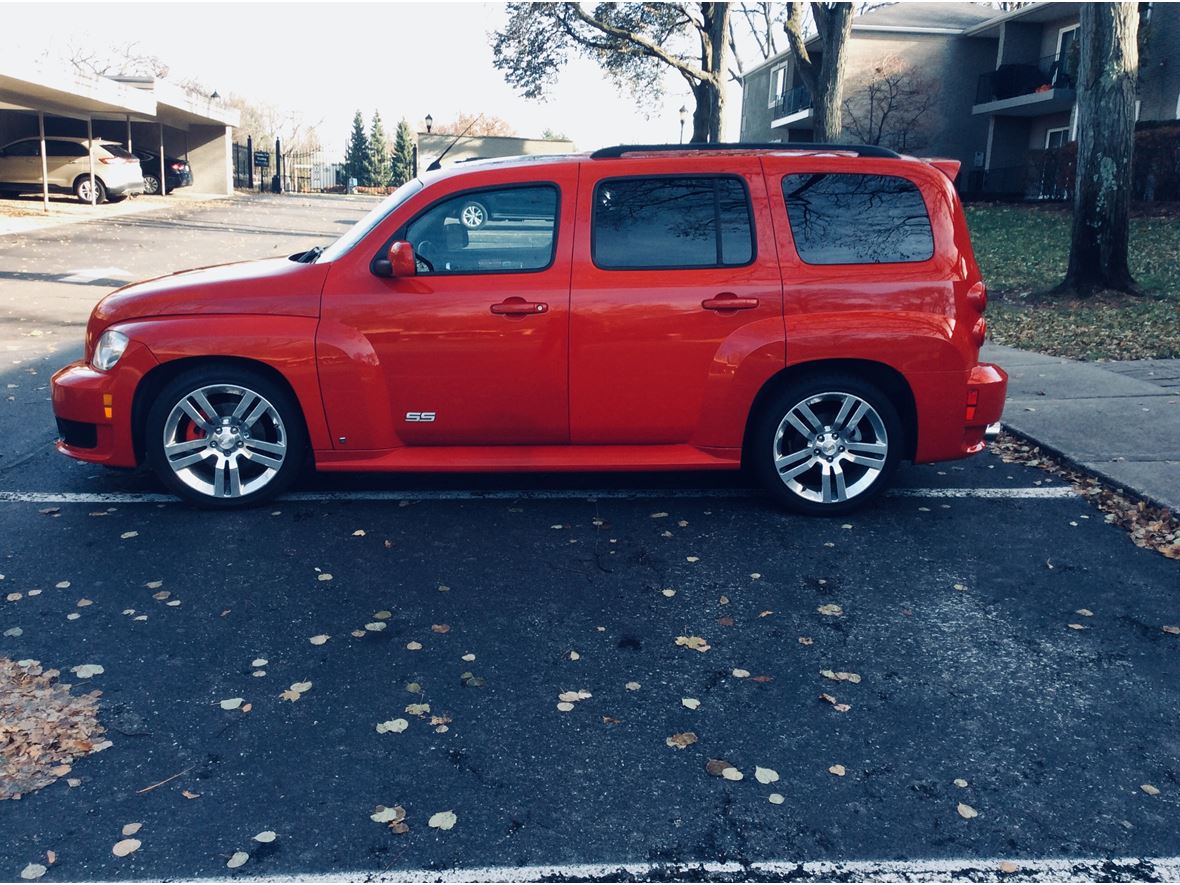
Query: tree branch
{"type": "Point", "coordinates": [643, 43]}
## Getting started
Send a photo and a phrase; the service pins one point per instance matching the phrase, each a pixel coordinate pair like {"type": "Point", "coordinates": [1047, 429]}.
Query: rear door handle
{"type": "Point", "coordinates": [729, 301]}
{"type": "Point", "coordinates": [516, 307]}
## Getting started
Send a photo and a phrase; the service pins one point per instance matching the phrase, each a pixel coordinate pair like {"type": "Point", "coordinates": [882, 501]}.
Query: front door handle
{"type": "Point", "coordinates": [729, 301]}
{"type": "Point", "coordinates": [516, 306]}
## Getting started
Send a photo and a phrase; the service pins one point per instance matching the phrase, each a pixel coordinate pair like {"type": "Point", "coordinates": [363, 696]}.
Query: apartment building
{"type": "Point", "coordinates": [1001, 86]}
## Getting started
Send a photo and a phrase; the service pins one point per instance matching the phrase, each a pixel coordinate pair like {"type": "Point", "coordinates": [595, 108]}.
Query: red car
{"type": "Point", "coordinates": [812, 313]}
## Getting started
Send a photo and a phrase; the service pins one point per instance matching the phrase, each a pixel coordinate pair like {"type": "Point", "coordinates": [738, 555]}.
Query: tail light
{"type": "Point", "coordinates": [972, 404]}
{"type": "Point", "coordinates": [176, 167]}
{"type": "Point", "coordinates": [977, 297]}
{"type": "Point", "coordinates": [114, 161]}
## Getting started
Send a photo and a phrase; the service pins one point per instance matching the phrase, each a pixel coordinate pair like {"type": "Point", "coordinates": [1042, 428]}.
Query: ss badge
{"type": "Point", "coordinates": [420, 417]}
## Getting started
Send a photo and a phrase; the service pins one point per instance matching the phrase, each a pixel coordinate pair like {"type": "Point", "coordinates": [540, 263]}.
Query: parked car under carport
{"type": "Point", "coordinates": [177, 172]}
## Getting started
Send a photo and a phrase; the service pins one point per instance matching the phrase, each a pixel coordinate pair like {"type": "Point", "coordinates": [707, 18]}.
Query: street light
{"type": "Point", "coordinates": [683, 117]}
{"type": "Point", "coordinates": [429, 123]}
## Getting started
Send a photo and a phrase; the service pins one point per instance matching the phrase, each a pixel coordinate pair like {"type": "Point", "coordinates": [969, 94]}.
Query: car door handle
{"type": "Point", "coordinates": [518, 307]}
{"type": "Point", "coordinates": [729, 301]}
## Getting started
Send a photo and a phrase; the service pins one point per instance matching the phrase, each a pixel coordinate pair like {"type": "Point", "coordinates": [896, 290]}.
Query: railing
{"type": "Point", "coordinates": [793, 101]}
{"type": "Point", "coordinates": [1046, 175]}
{"type": "Point", "coordinates": [1014, 80]}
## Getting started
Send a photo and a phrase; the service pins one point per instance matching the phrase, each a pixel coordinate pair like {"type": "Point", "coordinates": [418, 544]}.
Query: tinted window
{"type": "Point", "coordinates": [65, 149]}
{"type": "Point", "coordinates": [512, 229]}
{"type": "Point", "coordinates": [842, 218]}
{"type": "Point", "coordinates": [672, 222]}
{"type": "Point", "coordinates": [116, 150]}
{"type": "Point", "coordinates": [23, 149]}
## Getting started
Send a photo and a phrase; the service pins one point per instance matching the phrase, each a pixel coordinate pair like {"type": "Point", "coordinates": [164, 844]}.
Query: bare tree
{"type": "Point", "coordinates": [633, 42]}
{"type": "Point", "coordinates": [127, 60]}
{"type": "Point", "coordinates": [480, 124]}
{"type": "Point", "coordinates": [891, 105]}
{"type": "Point", "coordinates": [1106, 140]}
{"type": "Point", "coordinates": [825, 79]}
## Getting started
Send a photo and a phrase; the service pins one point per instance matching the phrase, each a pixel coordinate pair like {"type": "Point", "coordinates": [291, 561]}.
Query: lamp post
{"type": "Point", "coordinates": [683, 117]}
{"type": "Point", "coordinates": [429, 123]}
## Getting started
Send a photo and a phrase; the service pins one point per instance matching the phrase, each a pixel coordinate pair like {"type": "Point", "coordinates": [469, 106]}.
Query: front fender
{"type": "Point", "coordinates": [285, 344]}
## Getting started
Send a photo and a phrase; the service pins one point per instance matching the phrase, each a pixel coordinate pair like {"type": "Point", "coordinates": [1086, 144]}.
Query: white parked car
{"type": "Point", "coordinates": [117, 173]}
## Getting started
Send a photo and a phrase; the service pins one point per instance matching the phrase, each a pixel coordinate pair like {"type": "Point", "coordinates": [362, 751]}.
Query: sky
{"type": "Point", "coordinates": [326, 60]}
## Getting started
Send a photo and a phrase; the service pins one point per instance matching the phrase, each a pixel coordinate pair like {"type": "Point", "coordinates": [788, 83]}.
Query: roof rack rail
{"type": "Point", "coordinates": [861, 150]}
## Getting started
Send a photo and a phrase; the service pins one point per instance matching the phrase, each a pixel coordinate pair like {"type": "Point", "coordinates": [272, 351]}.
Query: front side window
{"type": "Point", "coordinates": [845, 218]}
{"type": "Point", "coordinates": [23, 149]}
{"type": "Point", "coordinates": [672, 222]}
{"type": "Point", "coordinates": [487, 231]}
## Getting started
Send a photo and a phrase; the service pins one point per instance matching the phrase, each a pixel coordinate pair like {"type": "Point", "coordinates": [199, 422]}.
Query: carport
{"type": "Point", "coordinates": [154, 114]}
{"type": "Point", "coordinates": [26, 98]}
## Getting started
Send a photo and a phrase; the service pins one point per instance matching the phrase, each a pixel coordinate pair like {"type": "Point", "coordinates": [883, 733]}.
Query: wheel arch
{"type": "Point", "coordinates": [162, 375]}
{"type": "Point", "coordinates": [891, 382]}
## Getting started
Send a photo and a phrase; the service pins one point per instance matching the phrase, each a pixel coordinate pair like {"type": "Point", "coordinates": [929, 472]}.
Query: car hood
{"type": "Point", "coordinates": [275, 286]}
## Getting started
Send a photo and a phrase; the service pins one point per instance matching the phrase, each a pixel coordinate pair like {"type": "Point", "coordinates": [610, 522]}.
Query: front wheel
{"type": "Point", "coordinates": [225, 437]}
{"type": "Point", "coordinates": [827, 445]}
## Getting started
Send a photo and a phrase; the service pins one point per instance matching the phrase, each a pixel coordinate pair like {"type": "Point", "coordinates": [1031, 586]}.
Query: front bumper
{"type": "Point", "coordinates": [93, 408]}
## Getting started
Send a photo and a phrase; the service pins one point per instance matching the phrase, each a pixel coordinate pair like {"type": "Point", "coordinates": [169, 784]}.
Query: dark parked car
{"type": "Point", "coordinates": [177, 173]}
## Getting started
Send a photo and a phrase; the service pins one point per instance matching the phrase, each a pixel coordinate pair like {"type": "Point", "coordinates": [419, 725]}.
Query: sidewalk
{"type": "Point", "coordinates": [1121, 421]}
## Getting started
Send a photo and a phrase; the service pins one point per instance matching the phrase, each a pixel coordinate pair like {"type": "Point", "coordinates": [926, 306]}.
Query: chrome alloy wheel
{"type": "Point", "coordinates": [473, 215]}
{"type": "Point", "coordinates": [830, 447]}
{"type": "Point", "coordinates": [224, 441]}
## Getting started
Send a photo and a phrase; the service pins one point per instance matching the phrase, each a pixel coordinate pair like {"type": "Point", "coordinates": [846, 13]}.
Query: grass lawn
{"type": "Point", "coordinates": [1023, 250]}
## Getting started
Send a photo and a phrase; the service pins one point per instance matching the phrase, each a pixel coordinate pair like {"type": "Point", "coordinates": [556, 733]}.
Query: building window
{"type": "Point", "coordinates": [848, 218]}
{"type": "Point", "coordinates": [1055, 138]}
{"type": "Point", "coordinates": [673, 221]}
{"type": "Point", "coordinates": [778, 85]}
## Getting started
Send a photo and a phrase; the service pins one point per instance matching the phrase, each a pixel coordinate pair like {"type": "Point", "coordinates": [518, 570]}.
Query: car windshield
{"type": "Point", "coordinates": [359, 230]}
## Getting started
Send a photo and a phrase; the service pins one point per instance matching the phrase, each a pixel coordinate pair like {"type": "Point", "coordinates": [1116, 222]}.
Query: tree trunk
{"type": "Point", "coordinates": [1106, 140]}
{"type": "Point", "coordinates": [701, 112]}
{"type": "Point", "coordinates": [828, 104]}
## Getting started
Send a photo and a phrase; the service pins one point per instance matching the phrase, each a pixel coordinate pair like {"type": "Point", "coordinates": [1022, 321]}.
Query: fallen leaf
{"type": "Point", "coordinates": [189, 794]}
{"type": "Point", "coordinates": [51, 856]}
{"type": "Point", "coordinates": [765, 614]}
{"type": "Point", "coordinates": [1084, 612]}
{"type": "Point", "coordinates": [725, 622]}
{"type": "Point", "coordinates": [716, 766]}
{"type": "Point", "coordinates": [322, 576]}
{"type": "Point", "coordinates": [836, 705]}
{"type": "Point", "coordinates": [131, 829]}
{"type": "Point", "coordinates": [776, 799]}
{"type": "Point", "coordinates": [124, 847]}
{"type": "Point", "coordinates": [440, 628]}
{"type": "Point", "coordinates": [399, 826]}
{"type": "Point", "coordinates": [246, 708]}
{"type": "Point", "coordinates": [1168, 628]}
{"type": "Point", "coordinates": [669, 592]}
{"type": "Point", "coordinates": [442, 820]}
{"type": "Point", "coordinates": [237, 859]}
{"type": "Point", "coordinates": [632, 686]}
{"type": "Point", "coordinates": [574, 656]}
{"type": "Point", "coordinates": [831, 610]}
{"type": "Point", "coordinates": [966, 811]}
{"type": "Point", "coordinates": [127, 535]}
{"type": "Point", "coordinates": [383, 615]}
{"type": "Point", "coordinates": [259, 662]}
{"type": "Point", "coordinates": [959, 782]}
{"type": "Point", "coordinates": [838, 770]}
{"type": "Point", "coordinates": [693, 558]}
{"type": "Point", "coordinates": [414, 645]}
{"type": "Point", "coordinates": [696, 643]}
{"type": "Point", "coordinates": [731, 774]}
{"type": "Point", "coordinates": [319, 639]}
{"type": "Point", "coordinates": [418, 709]}
{"type": "Point", "coordinates": [1076, 626]}
{"type": "Point", "coordinates": [384, 815]}
{"type": "Point", "coordinates": [359, 533]}
{"type": "Point", "coordinates": [1149, 789]}
{"type": "Point", "coordinates": [691, 703]}
{"type": "Point", "coordinates": [62, 585]}
{"type": "Point", "coordinates": [85, 671]}
{"type": "Point", "coordinates": [765, 775]}
{"type": "Point", "coordinates": [840, 676]}
{"type": "Point", "coordinates": [266, 836]}
{"type": "Point", "coordinates": [231, 703]}
{"type": "Point", "coordinates": [154, 585]}
{"type": "Point", "coordinates": [33, 871]}
{"type": "Point", "coordinates": [1006, 866]}
{"type": "Point", "coordinates": [739, 673]}
{"type": "Point", "coordinates": [301, 687]}
{"type": "Point", "coordinates": [564, 706]}
{"type": "Point", "coordinates": [681, 740]}
{"type": "Point", "coordinates": [572, 697]}
{"type": "Point", "coordinates": [468, 658]}
{"type": "Point", "coordinates": [762, 678]}
{"type": "Point", "coordinates": [805, 640]}
{"type": "Point", "coordinates": [397, 726]}
{"type": "Point", "coordinates": [375, 626]}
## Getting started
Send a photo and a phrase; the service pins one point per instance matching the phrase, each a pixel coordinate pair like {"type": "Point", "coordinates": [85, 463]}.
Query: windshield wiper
{"type": "Point", "coordinates": [311, 255]}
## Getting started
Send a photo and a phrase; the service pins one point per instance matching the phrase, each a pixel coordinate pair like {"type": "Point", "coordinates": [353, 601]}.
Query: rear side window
{"type": "Point", "coordinates": [845, 218]}
{"type": "Point", "coordinates": [117, 150]}
{"type": "Point", "coordinates": [670, 222]}
{"type": "Point", "coordinates": [65, 149]}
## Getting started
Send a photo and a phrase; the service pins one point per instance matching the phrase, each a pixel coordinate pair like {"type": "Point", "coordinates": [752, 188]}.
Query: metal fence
{"type": "Point", "coordinates": [243, 170]}
{"type": "Point", "coordinates": [1013, 80]}
{"type": "Point", "coordinates": [314, 171]}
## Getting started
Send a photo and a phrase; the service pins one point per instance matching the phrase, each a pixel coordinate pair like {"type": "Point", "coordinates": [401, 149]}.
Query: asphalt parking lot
{"type": "Point", "coordinates": [968, 679]}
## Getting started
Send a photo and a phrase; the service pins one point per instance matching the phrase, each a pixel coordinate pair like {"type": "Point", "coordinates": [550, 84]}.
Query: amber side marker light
{"type": "Point", "coordinates": [107, 403]}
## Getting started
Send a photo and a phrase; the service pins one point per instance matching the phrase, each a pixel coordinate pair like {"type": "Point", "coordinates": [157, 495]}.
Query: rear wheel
{"type": "Point", "coordinates": [225, 437]}
{"type": "Point", "coordinates": [82, 190]}
{"type": "Point", "coordinates": [151, 184]}
{"type": "Point", "coordinates": [827, 445]}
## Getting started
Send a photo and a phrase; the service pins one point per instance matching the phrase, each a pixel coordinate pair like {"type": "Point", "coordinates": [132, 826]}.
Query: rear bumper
{"type": "Point", "coordinates": [958, 412]}
{"type": "Point", "coordinates": [125, 188]}
{"type": "Point", "coordinates": [93, 408]}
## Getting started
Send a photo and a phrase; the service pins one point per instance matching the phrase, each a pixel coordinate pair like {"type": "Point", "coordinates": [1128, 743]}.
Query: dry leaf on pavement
{"type": "Point", "coordinates": [237, 859]}
{"type": "Point", "coordinates": [966, 811]}
{"type": "Point", "coordinates": [696, 643]}
{"type": "Point", "coordinates": [442, 820]}
{"type": "Point", "coordinates": [124, 847]}
{"type": "Point", "coordinates": [681, 740]}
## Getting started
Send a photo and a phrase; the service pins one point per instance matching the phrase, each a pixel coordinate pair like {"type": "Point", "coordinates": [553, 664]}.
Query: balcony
{"type": "Point", "coordinates": [1028, 90]}
{"type": "Point", "coordinates": [793, 107]}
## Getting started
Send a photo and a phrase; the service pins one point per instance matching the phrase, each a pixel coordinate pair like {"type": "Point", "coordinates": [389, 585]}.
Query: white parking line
{"type": "Point", "coordinates": [516, 495]}
{"type": "Point", "coordinates": [984, 869]}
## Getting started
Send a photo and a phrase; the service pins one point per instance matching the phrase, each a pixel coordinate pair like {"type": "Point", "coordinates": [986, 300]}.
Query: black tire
{"type": "Point", "coordinates": [281, 427]}
{"type": "Point", "coordinates": [100, 189]}
{"type": "Point", "coordinates": [832, 456]}
{"type": "Point", "coordinates": [473, 215]}
{"type": "Point", "coordinates": [151, 185]}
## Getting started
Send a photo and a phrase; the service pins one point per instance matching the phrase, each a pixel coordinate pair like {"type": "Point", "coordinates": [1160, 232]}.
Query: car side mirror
{"type": "Point", "coordinates": [398, 261]}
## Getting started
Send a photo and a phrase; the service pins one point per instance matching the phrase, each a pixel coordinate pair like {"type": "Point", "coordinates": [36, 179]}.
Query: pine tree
{"type": "Point", "coordinates": [378, 169]}
{"type": "Point", "coordinates": [403, 155]}
{"type": "Point", "coordinates": [356, 157]}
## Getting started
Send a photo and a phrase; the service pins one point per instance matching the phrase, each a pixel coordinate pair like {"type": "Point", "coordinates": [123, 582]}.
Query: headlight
{"type": "Point", "coordinates": [110, 347]}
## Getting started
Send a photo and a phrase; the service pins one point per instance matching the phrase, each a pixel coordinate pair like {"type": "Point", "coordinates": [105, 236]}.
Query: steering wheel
{"type": "Point", "coordinates": [421, 259]}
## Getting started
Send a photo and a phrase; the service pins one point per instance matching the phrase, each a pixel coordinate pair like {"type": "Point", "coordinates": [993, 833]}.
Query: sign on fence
{"type": "Point", "coordinates": [262, 158]}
